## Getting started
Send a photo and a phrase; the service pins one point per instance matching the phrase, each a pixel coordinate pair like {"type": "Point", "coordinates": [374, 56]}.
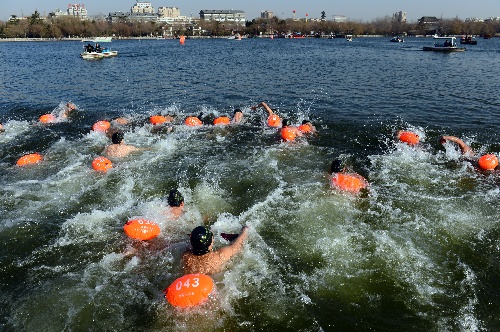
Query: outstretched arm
{"type": "Point", "coordinates": [267, 108]}
{"type": "Point", "coordinates": [234, 248]}
{"type": "Point", "coordinates": [464, 148]}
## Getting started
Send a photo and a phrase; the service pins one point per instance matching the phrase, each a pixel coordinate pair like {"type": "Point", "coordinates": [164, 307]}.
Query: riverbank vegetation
{"type": "Point", "coordinates": [65, 26]}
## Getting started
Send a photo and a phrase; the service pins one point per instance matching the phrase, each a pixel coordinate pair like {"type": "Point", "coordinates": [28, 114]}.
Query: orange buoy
{"type": "Point", "coordinates": [189, 290]}
{"type": "Point", "coordinates": [488, 161]}
{"type": "Point", "coordinates": [222, 120]}
{"type": "Point", "coordinates": [141, 229]}
{"type": "Point", "coordinates": [101, 126]}
{"type": "Point", "coordinates": [101, 164]}
{"type": "Point", "coordinates": [47, 118]}
{"type": "Point", "coordinates": [305, 128]}
{"type": "Point", "coordinates": [409, 137]}
{"type": "Point", "coordinates": [29, 159]}
{"type": "Point", "coordinates": [182, 39]}
{"type": "Point", "coordinates": [288, 134]}
{"type": "Point", "coordinates": [273, 121]}
{"type": "Point", "coordinates": [348, 182]}
{"type": "Point", "coordinates": [157, 119]}
{"type": "Point", "coordinates": [193, 121]}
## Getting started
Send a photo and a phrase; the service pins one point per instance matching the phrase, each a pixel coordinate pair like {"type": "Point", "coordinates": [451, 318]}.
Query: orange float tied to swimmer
{"type": "Point", "coordinates": [409, 137]}
{"type": "Point", "coordinates": [222, 120]}
{"type": "Point", "coordinates": [305, 128]}
{"type": "Point", "coordinates": [488, 162]}
{"type": "Point", "coordinates": [141, 229]}
{"type": "Point", "coordinates": [101, 164]}
{"type": "Point", "coordinates": [47, 118]}
{"type": "Point", "coordinates": [193, 121]}
{"type": "Point", "coordinates": [348, 182]}
{"type": "Point", "coordinates": [157, 119]}
{"type": "Point", "coordinates": [273, 121]}
{"type": "Point", "coordinates": [288, 134]}
{"type": "Point", "coordinates": [29, 159]}
{"type": "Point", "coordinates": [101, 126]}
{"type": "Point", "coordinates": [189, 290]}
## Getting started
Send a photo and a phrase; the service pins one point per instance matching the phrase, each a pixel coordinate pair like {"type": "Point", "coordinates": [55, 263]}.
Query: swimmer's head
{"type": "Point", "coordinates": [175, 198]}
{"type": "Point", "coordinates": [201, 239]}
{"type": "Point", "coordinates": [117, 137]}
{"type": "Point", "coordinates": [305, 121]}
{"type": "Point", "coordinates": [284, 123]}
{"type": "Point", "coordinates": [337, 166]}
{"type": "Point", "coordinates": [237, 111]}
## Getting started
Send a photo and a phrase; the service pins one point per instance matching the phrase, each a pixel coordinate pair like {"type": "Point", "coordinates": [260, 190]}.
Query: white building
{"type": "Point", "coordinates": [171, 12]}
{"type": "Point", "coordinates": [399, 16]}
{"type": "Point", "coordinates": [339, 18]}
{"type": "Point", "coordinates": [143, 8]}
{"type": "Point", "coordinates": [77, 10]}
{"type": "Point", "coordinates": [266, 14]}
{"type": "Point", "coordinates": [236, 16]}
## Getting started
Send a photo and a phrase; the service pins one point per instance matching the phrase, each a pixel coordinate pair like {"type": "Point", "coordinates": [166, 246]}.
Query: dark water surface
{"type": "Point", "coordinates": [419, 252]}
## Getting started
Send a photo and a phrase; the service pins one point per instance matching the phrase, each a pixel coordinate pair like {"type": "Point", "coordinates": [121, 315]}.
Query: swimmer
{"type": "Point", "coordinates": [307, 127]}
{"type": "Point", "coordinates": [201, 258]}
{"type": "Point", "coordinates": [486, 162]}
{"type": "Point", "coordinates": [273, 119]}
{"type": "Point", "coordinates": [346, 181]}
{"type": "Point", "coordinates": [237, 116]}
{"type": "Point", "coordinates": [68, 108]}
{"type": "Point", "coordinates": [119, 149]}
{"type": "Point", "coordinates": [176, 202]}
{"type": "Point", "coordinates": [289, 133]}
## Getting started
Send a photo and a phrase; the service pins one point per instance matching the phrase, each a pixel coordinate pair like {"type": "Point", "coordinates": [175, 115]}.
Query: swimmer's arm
{"type": "Point", "coordinates": [463, 147]}
{"type": "Point", "coordinates": [235, 247]}
{"type": "Point", "coordinates": [267, 108]}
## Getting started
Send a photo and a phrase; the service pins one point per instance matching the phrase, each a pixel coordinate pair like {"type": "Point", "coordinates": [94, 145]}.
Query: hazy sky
{"type": "Point", "coordinates": [364, 10]}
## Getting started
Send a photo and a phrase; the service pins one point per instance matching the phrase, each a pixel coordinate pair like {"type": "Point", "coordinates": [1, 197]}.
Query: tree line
{"type": "Point", "coordinates": [66, 26]}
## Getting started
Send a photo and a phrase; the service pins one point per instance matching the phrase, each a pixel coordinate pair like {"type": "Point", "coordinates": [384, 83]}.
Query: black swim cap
{"type": "Point", "coordinates": [284, 123]}
{"type": "Point", "coordinates": [305, 121]}
{"type": "Point", "coordinates": [237, 110]}
{"type": "Point", "coordinates": [201, 239]}
{"type": "Point", "coordinates": [175, 198]}
{"type": "Point", "coordinates": [337, 166]}
{"type": "Point", "coordinates": [117, 137]}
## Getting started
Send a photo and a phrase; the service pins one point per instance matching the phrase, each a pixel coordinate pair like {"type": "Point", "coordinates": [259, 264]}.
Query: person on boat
{"type": "Point", "coordinates": [273, 119]}
{"type": "Point", "coordinates": [98, 48]}
{"type": "Point", "coordinates": [175, 201]}
{"type": "Point", "coordinates": [201, 258]}
{"type": "Point", "coordinates": [289, 133]}
{"type": "Point", "coordinates": [343, 180]}
{"type": "Point", "coordinates": [237, 116]}
{"type": "Point", "coordinates": [119, 149]}
{"type": "Point", "coordinates": [89, 48]}
{"type": "Point", "coordinates": [486, 162]}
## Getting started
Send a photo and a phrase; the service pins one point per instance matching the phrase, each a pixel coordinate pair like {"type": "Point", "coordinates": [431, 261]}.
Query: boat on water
{"type": "Point", "coordinates": [468, 40]}
{"type": "Point", "coordinates": [397, 39]}
{"type": "Point", "coordinates": [444, 44]}
{"type": "Point", "coordinates": [348, 38]}
{"type": "Point", "coordinates": [97, 52]}
{"type": "Point", "coordinates": [234, 37]}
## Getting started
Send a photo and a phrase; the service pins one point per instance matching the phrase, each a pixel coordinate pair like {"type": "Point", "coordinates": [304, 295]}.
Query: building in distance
{"type": "Point", "coordinates": [266, 14]}
{"type": "Point", "coordinates": [233, 16]}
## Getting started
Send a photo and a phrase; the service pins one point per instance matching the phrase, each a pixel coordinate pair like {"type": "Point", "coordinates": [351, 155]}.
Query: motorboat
{"type": "Point", "coordinates": [397, 39]}
{"type": "Point", "coordinates": [91, 53]}
{"type": "Point", "coordinates": [468, 40]}
{"type": "Point", "coordinates": [236, 36]}
{"type": "Point", "coordinates": [444, 44]}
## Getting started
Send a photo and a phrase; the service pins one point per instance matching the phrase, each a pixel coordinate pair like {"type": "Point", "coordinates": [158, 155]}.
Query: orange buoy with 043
{"type": "Point", "coordinates": [101, 126]}
{"type": "Point", "coordinates": [222, 120]}
{"type": "Point", "coordinates": [29, 159]}
{"type": "Point", "coordinates": [409, 137]}
{"type": "Point", "coordinates": [141, 229]}
{"type": "Point", "coordinates": [189, 290]}
{"type": "Point", "coordinates": [488, 162]}
{"type": "Point", "coordinates": [101, 164]}
{"type": "Point", "coordinates": [47, 118]}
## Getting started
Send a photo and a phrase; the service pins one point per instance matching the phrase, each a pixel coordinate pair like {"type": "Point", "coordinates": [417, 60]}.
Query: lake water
{"type": "Point", "coordinates": [419, 252]}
